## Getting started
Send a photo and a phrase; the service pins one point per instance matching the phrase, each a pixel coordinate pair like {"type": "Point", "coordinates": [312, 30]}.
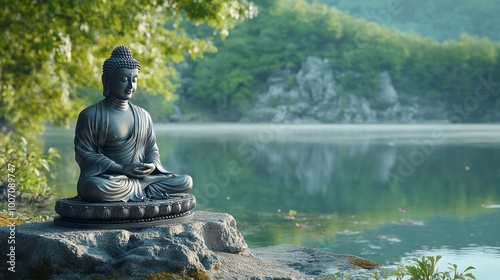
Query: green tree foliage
{"type": "Point", "coordinates": [51, 54]}
{"type": "Point", "coordinates": [287, 31]}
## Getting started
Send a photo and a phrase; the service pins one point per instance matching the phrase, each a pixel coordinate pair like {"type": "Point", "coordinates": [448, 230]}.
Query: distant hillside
{"type": "Point", "coordinates": [442, 20]}
{"type": "Point", "coordinates": [227, 84]}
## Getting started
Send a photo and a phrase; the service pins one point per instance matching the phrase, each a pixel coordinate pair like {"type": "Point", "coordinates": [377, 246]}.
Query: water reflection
{"type": "Point", "coordinates": [383, 192]}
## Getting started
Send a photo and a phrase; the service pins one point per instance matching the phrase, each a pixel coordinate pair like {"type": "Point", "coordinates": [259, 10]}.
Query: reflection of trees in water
{"type": "Point", "coordinates": [320, 176]}
{"type": "Point", "coordinates": [313, 166]}
{"type": "Point", "coordinates": [319, 167]}
{"type": "Point", "coordinates": [353, 178]}
{"type": "Point", "coordinates": [386, 163]}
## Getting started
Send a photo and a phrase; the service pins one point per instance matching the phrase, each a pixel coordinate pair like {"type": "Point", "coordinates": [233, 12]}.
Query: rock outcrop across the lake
{"type": "Point", "coordinates": [208, 246]}
{"type": "Point", "coordinates": [312, 95]}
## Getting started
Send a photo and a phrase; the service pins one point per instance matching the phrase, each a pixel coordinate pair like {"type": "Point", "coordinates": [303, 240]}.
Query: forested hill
{"type": "Point", "coordinates": [442, 20]}
{"type": "Point", "coordinates": [360, 59]}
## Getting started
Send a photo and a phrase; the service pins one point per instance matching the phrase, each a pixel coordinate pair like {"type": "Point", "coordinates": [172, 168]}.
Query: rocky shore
{"type": "Point", "coordinates": [207, 247]}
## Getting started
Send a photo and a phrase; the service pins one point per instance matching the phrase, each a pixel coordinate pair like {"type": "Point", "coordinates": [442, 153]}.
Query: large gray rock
{"type": "Point", "coordinates": [42, 249]}
{"type": "Point", "coordinates": [388, 94]}
{"type": "Point", "coordinates": [209, 246]}
{"type": "Point", "coordinates": [315, 81]}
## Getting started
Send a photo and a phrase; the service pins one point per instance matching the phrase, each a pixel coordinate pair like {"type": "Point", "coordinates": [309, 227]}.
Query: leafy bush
{"type": "Point", "coordinates": [29, 168]}
{"type": "Point", "coordinates": [426, 269]}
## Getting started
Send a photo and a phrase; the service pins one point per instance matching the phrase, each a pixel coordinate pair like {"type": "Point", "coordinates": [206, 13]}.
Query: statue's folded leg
{"type": "Point", "coordinates": [106, 188]}
{"type": "Point", "coordinates": [176, 184]}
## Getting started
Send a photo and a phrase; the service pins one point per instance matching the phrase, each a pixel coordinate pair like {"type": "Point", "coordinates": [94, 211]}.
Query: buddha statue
{"type": "Point", "coordinates": [115, 144]}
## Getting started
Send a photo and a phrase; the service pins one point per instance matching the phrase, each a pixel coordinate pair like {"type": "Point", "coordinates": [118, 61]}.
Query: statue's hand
{"type": "Point", "coordinates": [138, 170]}
{"type": "Point", "coordinates": [145, 169]}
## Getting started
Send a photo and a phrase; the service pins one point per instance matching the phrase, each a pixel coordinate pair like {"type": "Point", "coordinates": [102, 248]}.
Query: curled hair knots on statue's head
{"type": "Point", "coordinates": [121, 57]}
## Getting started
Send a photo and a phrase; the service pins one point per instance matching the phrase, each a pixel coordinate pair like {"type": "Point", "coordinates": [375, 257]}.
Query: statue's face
{"type": "Point", "coordinates": [123, 83]}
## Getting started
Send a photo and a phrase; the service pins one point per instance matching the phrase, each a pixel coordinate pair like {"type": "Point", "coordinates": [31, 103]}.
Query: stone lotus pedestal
{"type": "Point", "coordinates": [78, 213]}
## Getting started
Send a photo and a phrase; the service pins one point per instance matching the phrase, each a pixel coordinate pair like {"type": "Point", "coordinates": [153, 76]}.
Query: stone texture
{"type": "Point", "coordinates": [136, 252]}
{"type": "Point", "coordinates": [314, 263]}
{"type": "Point", "coordinates": [388, 94]}
{"type": "Point", "coordinates": [209, 245]}
{"type": "Point", "coordinates": [315, 81]}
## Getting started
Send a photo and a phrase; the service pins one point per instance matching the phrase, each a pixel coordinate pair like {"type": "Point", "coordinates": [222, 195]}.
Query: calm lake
{"type": "Point", "coordinates": [384, 192]}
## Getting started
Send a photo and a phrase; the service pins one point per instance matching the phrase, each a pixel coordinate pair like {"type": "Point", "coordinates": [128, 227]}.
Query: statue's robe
{"type": "Point", "coordinates": [94, 156]}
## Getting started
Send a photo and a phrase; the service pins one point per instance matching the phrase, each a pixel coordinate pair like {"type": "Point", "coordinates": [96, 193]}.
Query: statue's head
{"type": "Point", "coordinates": [121, 57]}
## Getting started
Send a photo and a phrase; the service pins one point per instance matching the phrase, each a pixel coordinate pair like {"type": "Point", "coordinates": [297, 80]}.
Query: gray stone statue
{"type": "Point", "coordinates": [115, 144]}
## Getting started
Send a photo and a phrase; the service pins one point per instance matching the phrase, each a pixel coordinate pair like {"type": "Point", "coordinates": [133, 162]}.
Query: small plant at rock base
{"type": "Point", "coordinates": [463, 275]}
{"type": "Point", "coordinates": [426, 269]}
